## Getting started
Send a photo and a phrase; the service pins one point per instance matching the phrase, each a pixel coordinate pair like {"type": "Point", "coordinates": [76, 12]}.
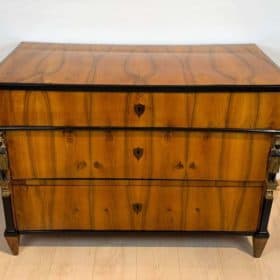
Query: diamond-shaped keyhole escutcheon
{"type": "Point", "coordinates": [139, 109]}
{"type": "Point", "coordinates": [138, 152]}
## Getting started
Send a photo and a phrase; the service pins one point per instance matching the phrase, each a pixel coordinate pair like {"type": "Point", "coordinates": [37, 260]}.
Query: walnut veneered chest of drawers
{"type": "Point", "coordinates": [108, 137]}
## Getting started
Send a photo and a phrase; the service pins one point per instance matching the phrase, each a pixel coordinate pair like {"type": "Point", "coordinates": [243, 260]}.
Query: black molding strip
{"type": "Point", "coordinates": [179, 232]}
{"type": "Point", "coordinates": [140, 88]}
{"type": "Point", "coordinates": [265, 215]}
{"type": "Point", "coordinates": [167, 129]}
{"type": "Point", "coordinates": [9, 218]}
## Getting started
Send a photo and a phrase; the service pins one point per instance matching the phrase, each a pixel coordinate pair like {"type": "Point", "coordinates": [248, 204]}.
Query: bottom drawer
{"type": "Point", "coordinates": [137, 208]}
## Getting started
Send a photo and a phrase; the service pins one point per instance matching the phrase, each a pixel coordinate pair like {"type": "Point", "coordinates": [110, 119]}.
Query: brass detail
{"type": "Point", "coordinates": [137, 207]}
{"type": "Point", "coordinates": [277, 142]}
{"type": "Point", "coordinates": [4, 168]}
{"type": "Point", "coordinates": [5, 188]}
{"type": "Point", "coordinates": [273, 164]}
{"type": "Point", "coordinates": [272, 168]}
{"type": "Point", "coordinates": [3, 161]}
{"type": "Point", "coordinates": [138, 152]}
{"type": "Point", "coordinates": [269, 194]}
{"type": "Point", "coordinates": [3, 153]}
{"type": "Point", "coordinates": [5, 191]}
{"type": "Point", "coordinates": [139, 109]}
{"type": "Point", "coordinates": [271, 185]}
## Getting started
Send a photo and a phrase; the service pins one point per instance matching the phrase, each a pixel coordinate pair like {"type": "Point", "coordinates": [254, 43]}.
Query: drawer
{"type": "Point", "coordinates": [137, 208]}
{"type": "Point", "coordinates": [138, 155]}
{"type": "Point", "coordinates": [206, 110]}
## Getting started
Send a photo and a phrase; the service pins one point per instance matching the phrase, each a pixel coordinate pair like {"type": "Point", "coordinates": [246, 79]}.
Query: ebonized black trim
{"type": "Point", "coordinates": [261, 235]}
{"type": "Point", "coordinates": [265, 214]}
{"type": "Point", "coordinates": [167, 129]}
{"type": "Point", "coordinates": [140, 88]}
{"type": "Point", "coordinates": [9, 219]}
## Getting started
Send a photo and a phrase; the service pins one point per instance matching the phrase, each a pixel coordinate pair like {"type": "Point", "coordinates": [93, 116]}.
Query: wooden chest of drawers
{"type": "Point", "coordinates": [108, 137]}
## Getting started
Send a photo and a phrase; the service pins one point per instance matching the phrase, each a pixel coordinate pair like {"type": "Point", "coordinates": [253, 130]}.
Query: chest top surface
{"type": "Point", "coordinates": [91, 65]}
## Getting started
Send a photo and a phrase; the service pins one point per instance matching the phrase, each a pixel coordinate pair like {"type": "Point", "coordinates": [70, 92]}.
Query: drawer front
{"type": "Point", "coordinates": [207, 110]}
{"type": "Point", "coordinates": [138, 155]}
{"type": "Point", "coordinates": [137, 208]}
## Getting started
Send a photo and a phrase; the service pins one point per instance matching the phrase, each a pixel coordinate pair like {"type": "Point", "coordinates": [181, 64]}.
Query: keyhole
{"type": "Point", "coordinates": [139, 109]}
{"type": "Point", "coordinates": [138, 152]}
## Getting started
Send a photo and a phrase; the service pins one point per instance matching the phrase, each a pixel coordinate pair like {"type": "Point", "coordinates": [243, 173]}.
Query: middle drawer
{"type": "Point", "coordinates": [138, 155]}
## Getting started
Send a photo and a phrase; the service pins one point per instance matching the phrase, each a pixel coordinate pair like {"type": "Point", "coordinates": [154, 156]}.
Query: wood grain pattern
{"type": "Point", "coordinates": [200, 110]}
{"type": "Point", "coordinates": [166, 155]}
{"type": "Point", "coordinates": [139, 65]}
{"type": "Point", "coordinates": [141, 179]}
{"type": "Point", "coordinates": [162, 208]}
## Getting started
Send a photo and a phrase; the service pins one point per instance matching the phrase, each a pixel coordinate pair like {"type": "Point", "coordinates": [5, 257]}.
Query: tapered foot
{"type": "Point", "coordinates": [259, 243]}
{"type": "Point", "coordinates": [13, 242]}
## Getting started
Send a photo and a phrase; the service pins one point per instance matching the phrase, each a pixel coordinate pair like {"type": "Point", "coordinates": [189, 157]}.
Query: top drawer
{"type": "Point", "coordinates": [199, 110]}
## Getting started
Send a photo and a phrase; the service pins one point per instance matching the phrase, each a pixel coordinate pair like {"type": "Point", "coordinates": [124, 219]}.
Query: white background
{"type": "Point", "coordinates": [142, 21]}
